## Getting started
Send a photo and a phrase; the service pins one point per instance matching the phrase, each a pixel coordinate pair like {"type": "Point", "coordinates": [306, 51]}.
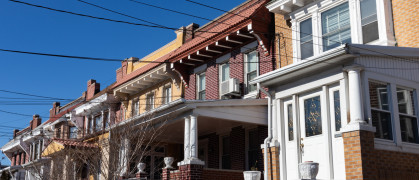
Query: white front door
{"type": "Point", "coordinates": [313, 131]}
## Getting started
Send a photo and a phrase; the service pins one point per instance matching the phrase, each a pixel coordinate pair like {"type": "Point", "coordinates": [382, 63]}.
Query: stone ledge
{"type": "Point", "coordinates": [357, 126]}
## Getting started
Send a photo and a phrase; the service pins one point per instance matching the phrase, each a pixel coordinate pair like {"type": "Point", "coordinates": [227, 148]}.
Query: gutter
{"type": "Point", "coordinates": [269, 138]}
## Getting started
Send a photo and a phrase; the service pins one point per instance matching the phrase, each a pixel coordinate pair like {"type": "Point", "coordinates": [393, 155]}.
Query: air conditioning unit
{"type": "Point", "coordinates": [230, 87]}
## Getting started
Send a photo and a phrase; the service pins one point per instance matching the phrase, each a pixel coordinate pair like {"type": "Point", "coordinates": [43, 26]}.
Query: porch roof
{"type": "Point", "coordinates": [339, 56]}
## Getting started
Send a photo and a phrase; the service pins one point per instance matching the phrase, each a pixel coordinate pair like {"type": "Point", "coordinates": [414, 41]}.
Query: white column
{"type": "Point", "coordinates": [186, 144]}
{"type": "Point", "coordinates": [355, 96]}
{"type": "Point", "coordinates": [317, 40]}
{"type": "Point", "coordinates": [194, 137]}
{"type": "Point", "coordinates": [355, 21]}
{"type": "Point", "coordinates": [356, 110]}
{"type": "Point", "coordinates": [33, 151]}
{"type": "Point", "coordinates": [101, 126]}
{"type": "Point", "coordinates": [92, 118]}
{"type": "Point", "coordinates": [39, 149]}
{"type": "Point", "coordinates": [295, 44]}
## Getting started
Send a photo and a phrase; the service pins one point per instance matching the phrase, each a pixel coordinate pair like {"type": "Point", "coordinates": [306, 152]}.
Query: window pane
{"type": "Point", "coordinates": [226, 153]}
{"type": "Point", "coordinates": [250, 76]}
{"type": "Point", "coordinates": [382, 122]}
{"type": "Point", "coordinates": [252, 61]}
{"type": "Point", "coordinates": [202, 95]}
{"type": "Point", "coordinates": [378, 95]}
{"type": "Point", "coordinates": [336, 103]}
{"type": "Point", "coordinates": [336, 27]}
{"type": "Point", "coordinates": [405, 101]}
{"type": "Point", "coordinates": [369, 20]}
{"type": "Point", "coordinates": [306, 39]}
{"type": "Point", "coordinates": [409, 129]}
{"type": "Point", "coordinates": [73, 132]}
{"type": "Point", "coordinates": [225, 72]}
{"type": "Point", "coordinates": [312, 114]}
{"type": "Point", "coordinates": [98, 121]}
{"type": "Point", "coordinates": [290, 123]}
{"type": "Point", "coordinates": [201, 82]}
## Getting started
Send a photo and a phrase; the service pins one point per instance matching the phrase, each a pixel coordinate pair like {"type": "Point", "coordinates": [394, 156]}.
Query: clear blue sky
{"type": "Point", "coordinates": [34, 29]}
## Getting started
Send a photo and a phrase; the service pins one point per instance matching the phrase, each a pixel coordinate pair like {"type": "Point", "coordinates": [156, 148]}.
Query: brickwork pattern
{"type": "Point", "coordinates": [215, 174]}
{"type": "Point", "coordinates": [191, 172]}
{"type": "Point", "coordinates": [237, 67]}
{"type": "Point", "coordinates": [284, 41]}
{"type": "Point", "coordinates": [363, 161]}
{"type": "Point", "coordinates": [237, 147]}
{"type": "Point", "coordinates": [212, 78]}
{"type": "Point", "coordinates": [406, 22]}
{"type": "Point", "coordinates": [190, 91]}
{"type": "Point", "coordinates": [273, 163]}
{"type": "Point", "coordinates": [213, 150]}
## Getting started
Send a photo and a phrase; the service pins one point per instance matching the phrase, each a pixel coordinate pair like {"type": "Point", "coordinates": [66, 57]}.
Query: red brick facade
{"type": "Point", "coordinates": [363, 161]}
{"type": "Point", "coordinates": [267, 64]}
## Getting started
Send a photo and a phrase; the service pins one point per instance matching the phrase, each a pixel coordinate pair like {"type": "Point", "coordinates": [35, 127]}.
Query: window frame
{"type": "Point", "coordinates": [135, 107]}
{"type": "Point", "coordinates": [299, 36]}
{"type": "Point", "coordinates": [150, 101]}
{"type": "Point", "coordinates": [314, 11]}
{"type": "Point", "coordinates": [396, 144]}
{"type": "Point", "coordinates": [198, 80]}
{"type": "Point", "coordinates": [253, 93]}
{"type": "Point", "coordinates": [167, 94]}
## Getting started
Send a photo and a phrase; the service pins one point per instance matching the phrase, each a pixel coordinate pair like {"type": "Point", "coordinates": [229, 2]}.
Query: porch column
{"type": "Point", "coordinates": [357, 135]}
{"type": "Point", "coordinates": [102, 119]}
{"type": "Point", "coordinates": [194, 137]}
{"type": "Point", "coordinates": [355, 96]}
{"type": "Point", "coordinates": [39, 149]}
{"type": "Point", "coordinates": [186, 144]}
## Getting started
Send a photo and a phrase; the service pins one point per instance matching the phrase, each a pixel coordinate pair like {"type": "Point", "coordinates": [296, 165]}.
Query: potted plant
{"type": "Point", "coordinates": [253, 174]}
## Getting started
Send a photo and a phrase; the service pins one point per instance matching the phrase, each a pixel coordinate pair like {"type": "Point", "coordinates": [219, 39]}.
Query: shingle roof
{"type": "Point", "coordinates": [204, 35]}
{"type": "Point", "coordinates": [74, 143]}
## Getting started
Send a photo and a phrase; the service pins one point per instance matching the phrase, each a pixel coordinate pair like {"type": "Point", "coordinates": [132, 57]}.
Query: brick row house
{"type": "Point", "coordinates": [345, 95]}
{"type": "Point", "coordinates": [26, 148]}
{"type": "Point", "coordinates": [266, 86]}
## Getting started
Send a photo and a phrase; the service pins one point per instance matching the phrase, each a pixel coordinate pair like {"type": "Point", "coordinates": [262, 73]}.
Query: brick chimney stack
{"type": "Point", "coordinates": [54, 110]}
{"type": "Point", "coordinates": [92, 88]}
{"type": "Point", "coordinates": [190, 31]}
{"type": "Point", "coordinates": [15, 132]}
{"type": "Point", "coordinates": [36, 121]}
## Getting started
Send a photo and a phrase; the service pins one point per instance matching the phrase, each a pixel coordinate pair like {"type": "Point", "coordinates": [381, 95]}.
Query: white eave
{"type": "Point", "coordinates": [284, 6]}
{"type": "Point", "coordinates": [144, 81]}
{"type": "Point", "coordinates": [93, 105]}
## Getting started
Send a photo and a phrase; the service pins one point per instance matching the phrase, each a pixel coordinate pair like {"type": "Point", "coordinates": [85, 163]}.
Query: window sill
{"type": "Point", "coordinates": [252, 95]}
{"type": "Point", "coordinates": [389, 145]}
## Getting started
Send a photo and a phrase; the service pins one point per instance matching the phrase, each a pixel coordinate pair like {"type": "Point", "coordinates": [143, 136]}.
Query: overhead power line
{"type": "Point", "coordinates": [25, 94]}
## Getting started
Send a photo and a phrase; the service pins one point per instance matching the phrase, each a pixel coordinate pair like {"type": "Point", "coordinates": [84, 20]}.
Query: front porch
{"type": "Point", "coordinates": [210, 140]}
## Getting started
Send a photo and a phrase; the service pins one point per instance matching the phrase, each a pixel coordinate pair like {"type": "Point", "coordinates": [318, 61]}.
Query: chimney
{"type": "Point", "coordinates": [92, 88]}
{"type": "Point", "coordinates": [190, 31]}
{"type": "Point", "coordinates": [15, 132]}
{"type": "Point", "coordinates": [36, 121]}
{"type": "Point", "coordinates": [53, 111]}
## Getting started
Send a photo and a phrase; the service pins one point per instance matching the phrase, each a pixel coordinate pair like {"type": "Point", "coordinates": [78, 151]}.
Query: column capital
{"type": "Point", "coordinates": [357, 126]}
{"type": "Point", "coordinates": [353, 67]}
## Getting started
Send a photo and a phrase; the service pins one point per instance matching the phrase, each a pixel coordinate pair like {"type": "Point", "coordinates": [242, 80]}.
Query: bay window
{"type": "Point", "coordinates": [306, 39]}
{"type": "Point", "coordinates": [407, 115]}
{"type": "Point", "coordinates": [336, 29]}
{"type": "Point", "coordinates": [380, 110]}
{"type": "Point", "coordinates": [369, 21]}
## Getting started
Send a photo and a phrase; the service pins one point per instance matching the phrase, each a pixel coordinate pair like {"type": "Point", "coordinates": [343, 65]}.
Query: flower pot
{"type": "Point", "coordinates": [251, 175]}
{"type": "Point", "coordinates": [308, 170]}
{"type": "Point", "coordinates": [141, 167]}
{"type": "Point", "coordinates": [168, 161]}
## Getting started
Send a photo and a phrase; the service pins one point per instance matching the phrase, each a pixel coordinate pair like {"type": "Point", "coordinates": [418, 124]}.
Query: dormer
{"type": "Point", "coordinates": [321, 25]}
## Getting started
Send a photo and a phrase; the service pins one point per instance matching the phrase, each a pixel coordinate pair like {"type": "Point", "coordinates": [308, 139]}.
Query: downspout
{"type": "Point", "coordinates": [269, 138]}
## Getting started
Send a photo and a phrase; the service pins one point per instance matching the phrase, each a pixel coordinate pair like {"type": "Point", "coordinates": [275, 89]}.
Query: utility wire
{"type": "Point", "coordinates": [25, 94]}
{"type": "Point", "coordinates": [139, 19]}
